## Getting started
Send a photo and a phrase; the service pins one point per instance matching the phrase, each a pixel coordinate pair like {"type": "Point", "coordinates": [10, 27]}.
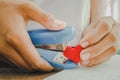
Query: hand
{"type": "Point", "coordinates": [15, 43]}
{"type": "Point", "coordinates": [100, 41]}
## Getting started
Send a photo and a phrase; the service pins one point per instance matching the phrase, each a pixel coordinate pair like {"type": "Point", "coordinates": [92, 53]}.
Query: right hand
{"type": "Point", "coordinates": [100, 41]}
{"type": "Point", "coordinates": [15, 43]}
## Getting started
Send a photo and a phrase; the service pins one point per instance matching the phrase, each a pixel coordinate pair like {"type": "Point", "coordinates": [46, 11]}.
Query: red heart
{"type": "Point", "coordinates": [73, 53]}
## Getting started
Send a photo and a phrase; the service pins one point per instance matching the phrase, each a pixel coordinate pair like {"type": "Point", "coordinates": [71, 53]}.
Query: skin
{"type": "Point", "coordinates": [100, 40]}
{"type": "Point", "coordinates": [15, 43]}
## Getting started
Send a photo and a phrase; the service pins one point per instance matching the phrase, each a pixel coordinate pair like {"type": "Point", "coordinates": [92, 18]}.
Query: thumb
{"type": "Point", "coordinates": [33, 12]}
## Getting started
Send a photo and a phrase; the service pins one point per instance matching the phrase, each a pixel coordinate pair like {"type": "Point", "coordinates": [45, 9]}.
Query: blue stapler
{"type": "Point", "coordinates": [44, 37]}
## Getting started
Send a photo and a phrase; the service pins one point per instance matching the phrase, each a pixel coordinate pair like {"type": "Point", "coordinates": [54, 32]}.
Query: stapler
{"type": "Point", "coordinates": [56, 56]}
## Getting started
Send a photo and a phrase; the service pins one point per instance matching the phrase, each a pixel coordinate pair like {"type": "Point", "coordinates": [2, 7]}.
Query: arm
{"type": "Point", "coordinates": [100, 8]}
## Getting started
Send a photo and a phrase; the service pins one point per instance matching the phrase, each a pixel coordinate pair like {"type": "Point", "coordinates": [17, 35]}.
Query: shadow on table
{"type": "Point", "coordinates": [8, 72]}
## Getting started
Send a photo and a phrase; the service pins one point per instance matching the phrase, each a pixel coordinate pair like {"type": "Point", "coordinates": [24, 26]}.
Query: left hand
{"type": "Point", "coordinates": [15, 43]}
{"type": "Point", "coordinates": [100, 41]}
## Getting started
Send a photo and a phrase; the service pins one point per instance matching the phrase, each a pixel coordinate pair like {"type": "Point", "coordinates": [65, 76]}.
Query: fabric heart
{"type": "Point", "coordinates": [73, 53]}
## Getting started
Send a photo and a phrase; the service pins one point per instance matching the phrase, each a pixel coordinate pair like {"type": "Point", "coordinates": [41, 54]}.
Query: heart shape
{"type": "Point", "coordinates": [73, 53]}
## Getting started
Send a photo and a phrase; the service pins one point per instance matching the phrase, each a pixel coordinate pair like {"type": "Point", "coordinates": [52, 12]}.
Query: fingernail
{"type": "Point", "coordinates": [84, 44]}
{"type": "Point", "coordinates": [85, 62]}
{"type": "Point", "coordinates": [85, 56]}
{"type": "Point", "coordinates": [58, 22]}
{"type": "Point", "coordinates": [57, 25]}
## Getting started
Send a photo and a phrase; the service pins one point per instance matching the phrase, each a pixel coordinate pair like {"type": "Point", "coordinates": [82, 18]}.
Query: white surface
{"type": "Point", "coordinates": [110, 70]}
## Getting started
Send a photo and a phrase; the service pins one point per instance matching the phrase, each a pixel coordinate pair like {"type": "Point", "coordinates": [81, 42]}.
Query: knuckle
{"type": "Point", "coordinates": [105, 26]}
{"type": "Point", "coordinates": [112, 37]}
{"type": "Point", "coordinates": [25, 6]}
{"type": "Point", "coordinates": [48, 21]}
{"type": "Point", "coordinates": [47, 18]}
{"type": "Point", "coordinates": [94, 50]}
{"type": "Point", "coordinates": [36, 66]}
{"type": "Point", "coordinates": [114, 49]}
{"type": "Point", "coordinates": [13, 37]}
{"type": "Point", "coordinates": [91, 39]}
{"type": "Point", "coordinates": [107, 23]}
{"type": "Point", "coordinates": [51, 17]}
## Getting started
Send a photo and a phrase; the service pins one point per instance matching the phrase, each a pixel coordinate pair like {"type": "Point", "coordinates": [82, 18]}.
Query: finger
{"type": "Point", "coordinates": [26, 49]}
{"type": "Point", "coordinates": [101, 58]}
{"type": "Point", "coordinates": [14, 57]}
{"type": "Point", "coordinates": [100, 47]}
{"type": "Point", "coordinates": [4, 59]}
{"type": "Point", "coordinates": [102, 28]}
{"type": "Point", "coordinates": [44, 18]}
{"type": "Point", "coordinates": [89, 29]}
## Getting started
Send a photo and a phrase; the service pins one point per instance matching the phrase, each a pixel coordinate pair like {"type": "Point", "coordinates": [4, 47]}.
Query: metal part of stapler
{"type": "Point", "coordinates": [48, 39]}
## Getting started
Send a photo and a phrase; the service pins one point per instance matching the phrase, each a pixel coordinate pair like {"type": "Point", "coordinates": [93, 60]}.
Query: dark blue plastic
{"type": "Point", "coordinates": [49, 55]}
{"type": "Point", "coordinates": [44, 36]}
